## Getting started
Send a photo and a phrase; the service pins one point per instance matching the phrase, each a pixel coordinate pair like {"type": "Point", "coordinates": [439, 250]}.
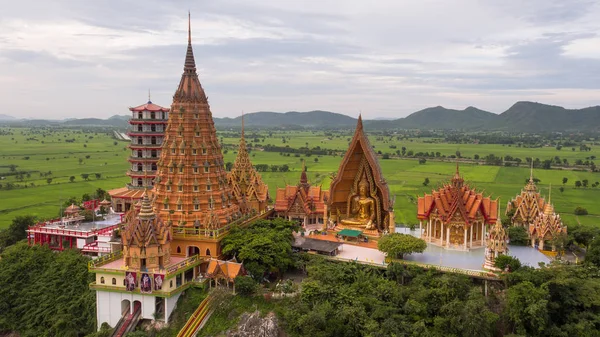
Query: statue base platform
{"type": "Point", "coordinates": [370, 233]}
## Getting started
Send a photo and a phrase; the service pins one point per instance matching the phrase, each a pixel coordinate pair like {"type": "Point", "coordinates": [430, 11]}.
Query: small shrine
{"type": "Point", "coordinates": [456, 215]}
{"type": "Point", "coordinates": [545, 227]}
{"type": "Point", "coordinates": [221, 271]}
{"type": "Point", "coordinates": [360, 196]}
{"type": "Point", "coordinates": [249, 191]}
{"type": "Point", "coordinates": [302, 202]}
{"type": "Point", "coordinates": [146, 239]}
{"type": "Point", "coordinates": [527, 205]}
{"type": "Point", "coordinates": [496, 245]}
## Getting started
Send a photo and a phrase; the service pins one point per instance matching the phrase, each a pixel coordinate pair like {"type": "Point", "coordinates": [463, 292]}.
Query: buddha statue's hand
{"type": "Point", "coordinates": [370, 225]}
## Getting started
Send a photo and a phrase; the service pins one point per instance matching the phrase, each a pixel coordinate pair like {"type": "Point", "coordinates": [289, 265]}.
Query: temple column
{"type": "Point", "coordinates": [471, 239]}
{"type": "Point", "coordinates": [541, 244]}
{"type": "Point", "coordinates": [532, 242]}
{"type": "Point", "coordinates": [420, 228]}
{"type": "Point", "coordinates": [429, 230]}
{"type": "Point", "coordinates": [61, 240]}
{"type": "Point", "coordinates": [466, 237]}
{"type": "Point", "coordinates": [442, 234]}
{"type": "Point", "coordinates": [448, 236]}
{"type": "Point", "coordinates": [483, 234]}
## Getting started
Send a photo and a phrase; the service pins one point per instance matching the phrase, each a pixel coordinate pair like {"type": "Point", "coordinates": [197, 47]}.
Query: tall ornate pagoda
{"type": "Point", "coordinates": [249, 191]}
{"type": "Point", "coordinates": [546, 226]}
{"type": "Point", "coordinates": [147, 127]}
{"type": "Point", "coordinates": [302, 202]}
{"type": "Point", "coordinates": [496, 245]}
{"type": "Point", "coordinates": [191, 188]}
{"type": "Point", "coordinates": [456, 215]}
{"type": "Point", "coordinates": [526, 205]}
{"type": "Point", "coordinates": [360, 196]}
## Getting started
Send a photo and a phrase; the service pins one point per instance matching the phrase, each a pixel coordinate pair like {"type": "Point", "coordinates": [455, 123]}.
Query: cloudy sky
{"type": "Point", "coordinates": [386, 58]}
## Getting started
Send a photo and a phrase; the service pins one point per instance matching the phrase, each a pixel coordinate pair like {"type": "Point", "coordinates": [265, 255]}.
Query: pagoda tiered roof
{"type": "Point", "coordinates": [229, 269]}
{"type": "Point", "coordinates": [547, 224]}
{"type": "Point", "coordinates": [191, 186]}
{"type": "Point", "coordinates": [456, 198]}
{"type": "Point", "coordinates": [305, 197]}
{"type": "Point", "coordinates": [149, 106]}
{"type": "Point", "coordinates": [246, 184]}
{"type": "Point", "coordinates": [526, 205]}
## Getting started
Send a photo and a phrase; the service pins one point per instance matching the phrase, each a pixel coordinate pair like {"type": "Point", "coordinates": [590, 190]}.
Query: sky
{"type": "Point", "coordinates": [384, 58]}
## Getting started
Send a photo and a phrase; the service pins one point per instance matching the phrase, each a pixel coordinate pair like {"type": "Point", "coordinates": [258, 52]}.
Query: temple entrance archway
{"type": "Point", "coordinates": [125, 307]}
{"type": "Point", "coordinates": [207, 252]}
{"type": "Point", "coordinates": [193, 250]}
{"type": "Point", "coordinates": [137, 307]}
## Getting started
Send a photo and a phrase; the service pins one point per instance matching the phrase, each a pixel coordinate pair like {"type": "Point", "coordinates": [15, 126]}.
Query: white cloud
{"type": "Point", "coordinates": [387, 57]}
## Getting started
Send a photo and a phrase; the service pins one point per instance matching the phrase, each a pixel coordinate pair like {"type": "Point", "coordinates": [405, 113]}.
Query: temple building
{"type": "Point", "coordinates": [526, 206]}
{"type": "Point", "coordinates": [302, 202]}
{"type": "Point", "coordinates": [456, 215]}
{"type": "Point", "coordinates": [191, 188]}
{"type": "Point", "coordinates": [496, 245]}
{"type": "Point", "coordinates": [360, 196]}
{"type": "Point", "coordinates": [545, 227]}
{"type": "Point", "coordinates": [148, 123]}
{"type": "Point", "coordinates": [143, 281]}
{"type": "Point", "coordinates": [249, 191]}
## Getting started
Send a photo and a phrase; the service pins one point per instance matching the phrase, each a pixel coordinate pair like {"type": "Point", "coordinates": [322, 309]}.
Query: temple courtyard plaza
{"type": "Point", "coordinates": [472, 260]}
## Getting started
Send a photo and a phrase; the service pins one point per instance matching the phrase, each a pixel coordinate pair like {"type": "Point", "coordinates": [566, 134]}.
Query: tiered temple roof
{"type": "Point", "coordinates": [228, 270]}
{"type": "Point", "coordinates": [526, 205]}
{"type": "Point", "coordinates": [360, 160]}
{"type": "Point", "coordinates": [496, 244]}
{"type": "Point", "coordinates": [302, 198]}
{"type": "Point", "coordinates": [250, 192]}
{"type": "Point", "coordinates": [191, 186]}
{"type": "Point", "coordinates": [457, 199]}
{"type": "Point", "coordinates": [146, 239]}
{"type": "Point", "coordinates": [546, 226]}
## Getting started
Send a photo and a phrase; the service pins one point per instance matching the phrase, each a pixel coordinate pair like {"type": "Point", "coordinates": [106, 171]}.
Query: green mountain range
{"type": "Point", "coordinates": [521, 117]}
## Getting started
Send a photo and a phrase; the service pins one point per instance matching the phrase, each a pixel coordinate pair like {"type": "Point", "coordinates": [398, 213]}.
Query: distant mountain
{"type": "Point", "coordinates": [441, 118]}
{"type": "Point", "coordinates": [6, 118]}
{"type": "Point", "coordinates": [320, 119]}
{"type": "Point", "coordinates": [521, 117]}
{"type": "Point", "coordinates": [537, 117]}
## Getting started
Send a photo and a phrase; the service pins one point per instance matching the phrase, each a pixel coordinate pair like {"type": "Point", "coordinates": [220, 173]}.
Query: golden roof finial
{"type": "Point", "coordinates": [149, 100]}
{"type": "Point", "coordinates": [531, 171]}
{"type": "Point", "coordinates": [242, 123]}
{"type": "Point", "coordinates": [189, 27]}
{"type": "Point", "coordinates": [550, 194]}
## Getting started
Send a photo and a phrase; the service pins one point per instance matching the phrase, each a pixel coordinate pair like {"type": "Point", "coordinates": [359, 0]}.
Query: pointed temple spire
{"type": "Point", "coordinates": [303, 177]}
{"type": "Point", "coordinates": [359, 123]}
{"type": "Point", "coordinates": [531, 172]}
{"type": "Point", "coordinates": [457, 180]}
{"type": "Point", "coordinates": [242, 124]}
{"type": "Point", "coordinates": [192, 181]}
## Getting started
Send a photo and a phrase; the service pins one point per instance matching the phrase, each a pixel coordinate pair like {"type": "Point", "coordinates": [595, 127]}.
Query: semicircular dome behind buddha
{"type": "Point", "coordinates": [360, 196]}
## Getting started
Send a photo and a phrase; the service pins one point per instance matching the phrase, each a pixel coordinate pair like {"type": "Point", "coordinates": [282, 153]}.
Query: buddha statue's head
{"type": "Point", "coordinates": [363, 187]}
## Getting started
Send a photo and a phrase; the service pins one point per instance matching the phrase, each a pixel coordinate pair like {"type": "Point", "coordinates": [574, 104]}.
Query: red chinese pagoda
{"type": "Point", "coordinates": [148, 124]}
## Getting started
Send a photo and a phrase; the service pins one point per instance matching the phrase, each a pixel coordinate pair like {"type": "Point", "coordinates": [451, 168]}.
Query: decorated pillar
{"type": "Point", "coordinates": [448, 236]}
{"type": "Point", "coordinates": [466, 238]}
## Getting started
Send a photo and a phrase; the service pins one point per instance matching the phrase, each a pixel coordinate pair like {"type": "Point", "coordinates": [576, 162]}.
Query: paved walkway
{"type": "Point", "coordinates": [352, 252]}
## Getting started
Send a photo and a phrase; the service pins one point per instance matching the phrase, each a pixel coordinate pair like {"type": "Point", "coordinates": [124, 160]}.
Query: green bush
{"type": "Point", "coordinates": [580, 211]}
{"type": "Point", "coordinates": [245, 285]}
{"type": "Point", "coordinates": [502, 261]}
{"type": "Point", "coordinates": [518, 236]}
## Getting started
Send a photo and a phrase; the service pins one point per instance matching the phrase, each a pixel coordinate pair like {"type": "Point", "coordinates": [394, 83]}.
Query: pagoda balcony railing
{"type": "Point", "coordinates": [104, 259]}
{"type": "Point", "coordinates": [149, 173]}
{"type": "Point", "coordinates": [135, 145]}
{"type": "Point", "coordinates": [145, 132]}
{"type": "Point", "coordinates": [148, 158]}
{"type": "Point", "coordinates": [187, 232]}
{"type": "Point", "coordinates": [146, 142]}
{"type": "Point", "coordinates": [189, 262]}
{"type": "Point", "coordinates": [135, 187]}
{"type": "Point", "coordinates": [149, 119]}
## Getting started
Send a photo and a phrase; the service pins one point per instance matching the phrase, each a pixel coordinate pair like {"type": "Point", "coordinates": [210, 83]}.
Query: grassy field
{"type": "Point", "coordinates": [41, 150]}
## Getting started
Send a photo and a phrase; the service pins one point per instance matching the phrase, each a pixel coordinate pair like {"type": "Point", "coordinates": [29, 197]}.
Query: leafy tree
{"type": "Point", "coordinates": [518, 236]}
{"type": "Point", "coordinates": [561, 189]}
{"type": "Point", "coordinates": [528, 308]}
{"type": "Point", "coordinates": [503, 261]}
{"type": "Point", "coordinates": [578, 183]}
{"type": "Point", "coordinates": [565, 180]}
{"type": "Point", "coordinates": [71, 178]}
{"type": "Point", "coordinates": [395, 245]}
{"type": "Point", "coordinates": [426, 182]}
{"type": "Point", "coordinates": [98, 175]}
{"type": "Point", "coordinates": [580, 211]}
{"type": "Point", "coordinates": [265, 246]}
{"type": "Point", "coordinates": [49, 181]}
{"type": "Point", "coordinates": [85, 176]}
{"type": "Point", "coordinates": [593, 253]}
{"type": "Point", "coordinates": [228, 166]}
{"type": "Point", "coordinates": [16, 231]}
{"type": "Point", "coordinates": [584, 183]}
{"type": "Point", "coordinates": [245, 285]}
{"type": "Point", "coordinates": [422, 160]}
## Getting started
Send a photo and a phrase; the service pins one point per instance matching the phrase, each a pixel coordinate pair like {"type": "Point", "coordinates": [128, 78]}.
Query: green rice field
{"type": "Point", "coordinates": [38, 151]}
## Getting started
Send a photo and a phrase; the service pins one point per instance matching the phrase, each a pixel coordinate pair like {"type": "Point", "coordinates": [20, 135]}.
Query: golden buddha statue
{"type": "Point", "coordinates": [361, 210]}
